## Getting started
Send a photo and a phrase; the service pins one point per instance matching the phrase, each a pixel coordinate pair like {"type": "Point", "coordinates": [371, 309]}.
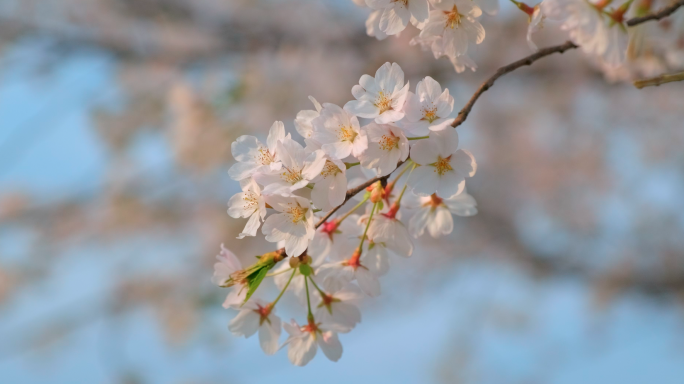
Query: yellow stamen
{"type": "Point", "coordinates": [347, 134]}
{"type": "Point", "coordinates": [330, 169]}
{"type": "Point", "coordinates": [250, 201]}
{"type": "Point", "coordinates": [453, 18]}
{"type": "Point", "coordinates": [265, 157]}
{"type": "Point", "coordinates": [383, 102]}
{"type": "Point", "coordinates": [443, 165]}
{"type": "Point", "coordinates": [297, 213]}
{"type": "Point", "coordinates": [388, 142]}
{"type": "Point", "coordinates": [292, 176]}
{"type": "Point", "coordinates": [430, 114]}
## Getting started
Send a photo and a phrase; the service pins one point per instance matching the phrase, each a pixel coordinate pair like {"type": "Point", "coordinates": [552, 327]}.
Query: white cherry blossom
{"type": "Point", "coordinates": [396, 14]}
{"type": "Point", "coordinates": [462, 62]}
{"type": "Point", "coordinates": [339, 307]}
{"type": "Point", "coordinates": [256, 315]}
{"type": "Point", "coordinates": [490, 7]}
{"type": "Point", "coordinates": [435, 43]}
{"type": "Point", "coordinates": [536, 23]}
{"type": "Point", "coordinates": [303, 121]}
{"type": "Point", "coordinates": [381, 97]}
{"type": "Point", "coordinates": [373, 25]}
{"type": "Point", "coordinates": [330, 233]}
{"type": "Point", "coordinates": [330, 186]}
{"type": "Point", "coordinates": [252, 155]}
{"type": "Point", "coordinates": [339, 132]}
{"type": "Point", "coordinates": [434, 213]}
{"type": "Point", "coordinates": [348, 265]}
{"type": "Point", "coordinates": [304, 341]}
{"type": "Point", "coordinates": [428, 109]}
{"type": "Point", "coordinates": [387, 146]}
{"type": "Point", "coordinates": [294, 225]}
{"type": "Point", "coordinates": [442, 166]}
{"type": "Point", "coordinates": [248, 203]}
{"type": "Point", "coordinates": [224, 271]}
{"type": "Point", "coordinates": [388, 231]}
{"type": "Point", "coordinates": [595, 32]}
{"type": "Point", "coordinates": [454, 21]}
{"type": "Point", "coordinates": [298, 168]}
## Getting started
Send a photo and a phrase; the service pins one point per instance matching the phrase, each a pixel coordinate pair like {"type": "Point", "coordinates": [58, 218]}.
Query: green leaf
{"type": "Point", "coordinates": [254, 280]}
{"type": "Point", "coordinates": [381, 205]}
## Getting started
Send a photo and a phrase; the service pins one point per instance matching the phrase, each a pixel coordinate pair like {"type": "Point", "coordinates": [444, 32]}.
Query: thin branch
{"type": "Point", "coordinates": [354, 191]}
{"type": "Point", "coordinates": [667, 11]}
{"type": "Point", "coordinates": [662, 79]}
{"type": "Point", "coordinates": [463, 115]}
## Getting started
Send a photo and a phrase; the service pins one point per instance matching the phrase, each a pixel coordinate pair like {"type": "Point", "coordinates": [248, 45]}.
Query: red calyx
{"type": "Point", "coordinates": [392, 213]}
{"type": "Point", "coordinates": [329, 227]}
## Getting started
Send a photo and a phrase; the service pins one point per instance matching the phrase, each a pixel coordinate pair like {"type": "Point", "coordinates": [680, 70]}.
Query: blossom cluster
{"type": "Point", "coordinates": [451, 28]}
{"type": "Point", "coordinates": [330, 264]}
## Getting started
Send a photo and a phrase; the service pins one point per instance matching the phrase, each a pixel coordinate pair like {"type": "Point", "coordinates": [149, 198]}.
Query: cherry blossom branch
{"type": "Point", "coordinates": [662, 79]}
{"type": "Point", "coordinates": [463, 114]}
{"type": "Point", "coordinates": [354, 191]}
{"type": "Point", "coordinates": [667, 11]}
{"type": "Point", "coordinates": [568, 45]}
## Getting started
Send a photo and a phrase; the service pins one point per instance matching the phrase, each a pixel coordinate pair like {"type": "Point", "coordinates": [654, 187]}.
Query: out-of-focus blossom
{"type": "Point", "coordinates": [396, 14]}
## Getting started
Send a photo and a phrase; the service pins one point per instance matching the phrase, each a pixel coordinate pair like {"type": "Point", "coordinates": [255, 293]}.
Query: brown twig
{"type": "Point", "coordinates": [667, 11]}
{"type": "Point", "coordinates": [353, 191]}
{"type": "Point", "coordinates": [463, 115]}
{"type": "Point", "coordinates": [662, 79]}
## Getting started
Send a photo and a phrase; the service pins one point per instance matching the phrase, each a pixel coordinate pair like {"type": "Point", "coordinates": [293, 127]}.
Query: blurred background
{"type": "Point", "coordinates": [116, 118]}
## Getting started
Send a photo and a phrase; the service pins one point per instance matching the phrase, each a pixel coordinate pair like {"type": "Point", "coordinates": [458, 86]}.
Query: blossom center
{"type": "Point", "coordinates": [383, 102]}
{"type": "Point", "coordinates": [435, 201]}
{"type": "Point", "coordinates": [265, 157]}
{"type": "Point", "coordinates": [347, 134]}
{"type": "Point", "coordinates": [388, 142]}
{"type": "Point", "coordinates": [453, 18]}
{"type": "Point", "coordinates": [263, 312]}
{"type": "Point", "coordinates": [430, 114]}
{"type": "Point", "coordinates": [250, 201]}
{"type": "Point", "coordinates": [311, 328]}
{"type": "Point", "coordinates": [292, 176]}
{"type": "Point", "coordinates": [443, 165]}
{"type": "Point", "coordinates": [330, 169]}
{"type": "Point", "coordinates": [297, 213]}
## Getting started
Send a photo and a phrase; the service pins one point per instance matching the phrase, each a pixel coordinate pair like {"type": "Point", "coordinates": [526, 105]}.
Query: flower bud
{"type": "Point", "coordinates": [377, 192]}
{"type": "Point", "coordinates": [305, 259]}
{"type": "Point", "coordinates": [294, 262]}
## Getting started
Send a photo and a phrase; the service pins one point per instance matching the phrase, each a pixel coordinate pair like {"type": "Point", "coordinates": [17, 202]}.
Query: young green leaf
{"type": "Point", "coordinates": [254, 280]}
